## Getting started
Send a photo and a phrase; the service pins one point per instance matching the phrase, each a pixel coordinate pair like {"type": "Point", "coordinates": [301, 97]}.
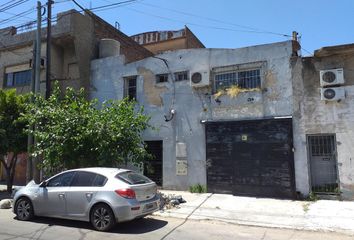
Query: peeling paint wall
{"type": "Point", "coordinates": [194, 105]}
{"type": "Point", "coordinates": [151, 91]}
{"type": "Point", "coordinates": [314, 116]}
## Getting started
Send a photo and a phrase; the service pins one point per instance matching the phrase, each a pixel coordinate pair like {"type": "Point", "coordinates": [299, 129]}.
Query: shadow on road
{"type": "Point", "coordinates": [139, 226]}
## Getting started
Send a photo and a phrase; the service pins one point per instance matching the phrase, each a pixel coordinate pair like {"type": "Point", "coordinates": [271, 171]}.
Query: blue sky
{"type": "Point", "coordinates": [226, 23]}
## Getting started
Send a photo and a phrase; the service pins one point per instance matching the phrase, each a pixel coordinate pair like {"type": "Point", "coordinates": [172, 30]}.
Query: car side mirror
{"type": "Point", "coordinates": [43, 184]}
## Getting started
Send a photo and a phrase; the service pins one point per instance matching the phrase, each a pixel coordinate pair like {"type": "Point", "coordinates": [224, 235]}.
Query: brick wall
{"type": "Point", "coordinates": [192, 40]}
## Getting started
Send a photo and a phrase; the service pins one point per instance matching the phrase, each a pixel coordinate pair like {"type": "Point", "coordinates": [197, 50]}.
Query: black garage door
{"type": "Point", "coordinates": [251, 158]}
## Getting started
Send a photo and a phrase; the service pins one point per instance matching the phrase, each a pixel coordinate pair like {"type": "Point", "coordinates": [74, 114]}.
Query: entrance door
{"type": "Point", "coordinates": [323, 163]}
{"type": "Point", "coordinates": [153, 166]}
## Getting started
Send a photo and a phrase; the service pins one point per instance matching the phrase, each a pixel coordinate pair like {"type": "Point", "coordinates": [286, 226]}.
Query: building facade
{"type": "Point", "coordinates": [160, 41]}
{"type": "Point", "coordinates": [222, 117]}
{"type": "Point", "coordinates": [323, 113]}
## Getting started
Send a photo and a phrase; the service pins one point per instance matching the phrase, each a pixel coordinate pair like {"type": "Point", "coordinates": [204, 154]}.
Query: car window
{"type": "Point", "coordinates": [83, 179]}
{"type": "Point", "coordinates": [61, 180]}
{"type": "Point", "coordinates": [99, 181]}
{"type": "Point", "coordinates": [133, 178]}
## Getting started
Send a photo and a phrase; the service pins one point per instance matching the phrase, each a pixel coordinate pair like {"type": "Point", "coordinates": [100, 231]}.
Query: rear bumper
{"type": "Point", "coordinates": [135, 209]}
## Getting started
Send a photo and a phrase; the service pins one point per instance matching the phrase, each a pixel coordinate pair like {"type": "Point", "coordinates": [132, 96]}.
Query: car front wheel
{"type": "Point", "coordinates": [102, 217]}
{"type": "Point", "coordinates": [24, 209]}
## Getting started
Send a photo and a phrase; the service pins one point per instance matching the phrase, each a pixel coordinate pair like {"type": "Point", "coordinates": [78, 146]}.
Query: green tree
{"type": "Point", "coordinates": [13, 139]}
{"type": "Point", "coordinates": [73, 132]}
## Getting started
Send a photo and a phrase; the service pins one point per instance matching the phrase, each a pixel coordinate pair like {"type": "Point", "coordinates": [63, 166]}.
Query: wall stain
{"type": "Point", "coordinates": [271, 83]}
{"type": "Point", "coordinates": [151, 91]}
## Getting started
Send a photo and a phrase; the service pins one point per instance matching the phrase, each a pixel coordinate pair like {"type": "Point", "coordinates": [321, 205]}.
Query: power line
{"type": "Point", "coordinates": [204, 26]}
{"type": "Point", "coordinates": [13, 4]}
{"type": "Point", "coordinates": [5, 3]}
{"type": "Point", "coordinates": [16, 16]}
{"type": "Point", "coordinates": [97, 9]}
{"type": "Point", "coordinates": [109, 5]}
{"type": "Point", "coordinates": [216, 20]}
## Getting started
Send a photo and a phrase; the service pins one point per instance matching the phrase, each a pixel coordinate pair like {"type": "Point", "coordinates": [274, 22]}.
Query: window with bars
{"type": "Point", "coordinates": [181, 76]}
{"type": "Point", "coordinates": [21, 78]}
{"type": "Point", "coordinates": [243, 79]}
{"type": "Point", "coordinates": [161, 78]}
{"type": "Point", "coordinates": [130, 88]}
{"type": "Point", "coordinates": [322, 145]}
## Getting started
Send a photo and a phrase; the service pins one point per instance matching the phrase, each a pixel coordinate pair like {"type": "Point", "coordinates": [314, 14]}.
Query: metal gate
{"type": "Point", "coordinates": [323, 163]}
{"type": "Point", "coordinates": [252, 158]}
{"type": "Point", "coordinates": [153, 166]}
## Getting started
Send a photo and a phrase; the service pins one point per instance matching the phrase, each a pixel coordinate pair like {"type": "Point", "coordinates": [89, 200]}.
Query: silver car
{"type": "Point", "coordinates": [102, 196]}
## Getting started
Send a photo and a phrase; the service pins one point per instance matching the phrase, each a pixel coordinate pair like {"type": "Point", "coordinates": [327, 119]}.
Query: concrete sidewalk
{"type": "Point", "coordinates": [324, 215]}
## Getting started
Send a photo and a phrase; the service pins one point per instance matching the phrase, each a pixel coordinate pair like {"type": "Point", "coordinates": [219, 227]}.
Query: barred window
{"type": "Point", "coordinates": [181, 76]}
{"type": "Point", "coordinates": [161, 78]}
{"type": "Point", "coordinates": [15, 79]}
{"type": "Point", "coordinates": [130, 87]}
{"type": "Point", "coordinates": [243, 79]}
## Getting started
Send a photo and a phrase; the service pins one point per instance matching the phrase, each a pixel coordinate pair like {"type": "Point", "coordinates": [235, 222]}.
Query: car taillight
{"type": "Point", "coordinates": [126, 193]}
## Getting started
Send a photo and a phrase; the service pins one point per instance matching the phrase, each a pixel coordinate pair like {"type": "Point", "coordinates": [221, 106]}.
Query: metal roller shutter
{"type": "Point", "coordinates": [251, 158]}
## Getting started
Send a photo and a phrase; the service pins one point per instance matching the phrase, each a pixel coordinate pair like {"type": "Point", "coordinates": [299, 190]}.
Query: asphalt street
{"type": "Point", "coordinates": [148, 228]}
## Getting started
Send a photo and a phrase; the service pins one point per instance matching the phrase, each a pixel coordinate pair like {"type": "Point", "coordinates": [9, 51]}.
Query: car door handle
{"type": "Point", "coordinates": [61, 195]}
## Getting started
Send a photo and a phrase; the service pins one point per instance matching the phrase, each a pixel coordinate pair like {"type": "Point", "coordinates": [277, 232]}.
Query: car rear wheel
{"type": "Point", "coordinates": [24, 209]}
{"type": "Point", "coordinates": [102, 217]}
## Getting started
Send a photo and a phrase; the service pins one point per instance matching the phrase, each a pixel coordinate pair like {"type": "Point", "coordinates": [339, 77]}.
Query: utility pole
{"type": "Point", "coordinates": [29, 168]}
{"type": "Point", "coordinates": [49, 38]}
{"type": "Point", "coordinates": [36, 172]}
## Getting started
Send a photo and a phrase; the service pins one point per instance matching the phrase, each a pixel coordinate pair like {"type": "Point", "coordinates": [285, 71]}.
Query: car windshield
{"type": "Point", "coordinates": [133, 178]}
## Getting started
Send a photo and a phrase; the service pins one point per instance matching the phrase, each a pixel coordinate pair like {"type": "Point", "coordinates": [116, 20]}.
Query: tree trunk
{"type": "Point", "coordinates": [9, 180]}
{"type": "Point", "coordinates": [10, 171]}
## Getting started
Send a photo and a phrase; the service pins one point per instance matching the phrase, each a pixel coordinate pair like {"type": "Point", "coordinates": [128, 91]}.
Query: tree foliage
{"type": "Point", "coordinates": [73, 132]}
{"type": "Point", "coordinates": [13, 139]}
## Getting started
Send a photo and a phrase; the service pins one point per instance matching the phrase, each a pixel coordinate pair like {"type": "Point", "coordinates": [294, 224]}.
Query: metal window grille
{"type": "Point", "coordinates": [130, 88]}
{"type": "Point", "coordinates": [243, 79]}
{"type": "Point", "coordinates": [160, 78]}
{"type": "Point", "coordinates": [323, 163]}
{"type": "Point", "coordinates": [181, 76]}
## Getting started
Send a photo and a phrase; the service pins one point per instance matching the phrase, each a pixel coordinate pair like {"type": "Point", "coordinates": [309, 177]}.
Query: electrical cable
{"type": "Point", "coordinates": [13, 4]}
{"type": "Point", "coordinates": [25, 13]}
{"type": "Point", "coordinates": [96, 9]}
{"type": "Point", "coordinates": [215, 20]}
{"type": "Point", "coordinates": [204, 26]}
{"type": "Point", "coordinates": [14, 14]}
{"type": "Point", "coordinates": [110, 5]}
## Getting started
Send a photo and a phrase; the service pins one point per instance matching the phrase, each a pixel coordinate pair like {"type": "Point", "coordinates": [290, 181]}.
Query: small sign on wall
{"type": "Point", "coordinates": [181, 167]}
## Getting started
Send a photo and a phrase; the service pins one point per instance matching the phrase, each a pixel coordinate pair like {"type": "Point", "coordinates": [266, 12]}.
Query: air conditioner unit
{"type": "Point", "coordinates": [332, 94]}
{"type": "Point", "coordinates": [199, 78]}
{"type": "Point", "coordinates": [331, 77]}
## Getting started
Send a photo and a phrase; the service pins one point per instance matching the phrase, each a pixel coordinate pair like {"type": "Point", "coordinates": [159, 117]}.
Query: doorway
{"type": "Point", "coordinates": [323, 163]}
{"type": "Point", "coordinates": [153, 166]}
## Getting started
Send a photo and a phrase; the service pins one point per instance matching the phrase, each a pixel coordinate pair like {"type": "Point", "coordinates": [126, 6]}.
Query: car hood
{"type": "Point", "coordinates": [32, 183]}
{"type": "Point", "coordinates": [29, 189]}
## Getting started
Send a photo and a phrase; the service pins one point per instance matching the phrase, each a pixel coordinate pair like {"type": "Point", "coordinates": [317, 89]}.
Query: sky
{"type": "Point", "coordinates": [221, 23]}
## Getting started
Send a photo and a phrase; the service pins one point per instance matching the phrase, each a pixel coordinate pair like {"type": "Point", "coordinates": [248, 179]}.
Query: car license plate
{"type": "Point", "coordinates": [150, 206]}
